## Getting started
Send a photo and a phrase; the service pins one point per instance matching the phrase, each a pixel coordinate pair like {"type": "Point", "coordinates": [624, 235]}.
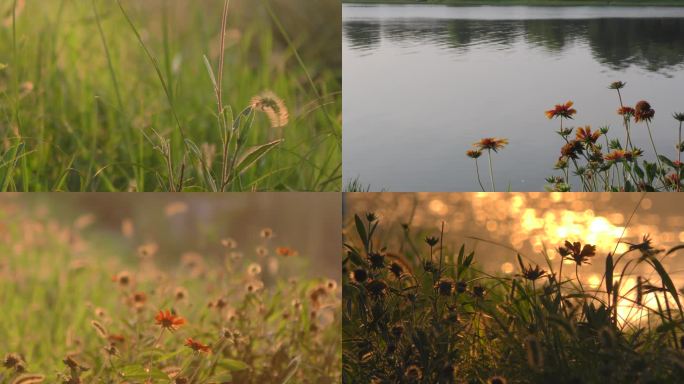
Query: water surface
{"type": "Point", "coordinates": [421, 83]}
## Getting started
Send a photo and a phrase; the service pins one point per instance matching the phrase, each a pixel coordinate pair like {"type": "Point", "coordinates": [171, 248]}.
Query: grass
{"type": "Point", "coordinates": [157, 96]}
{"type": "Point", "coordinates": [525, 2]}
{"type": "Point", "coordinates": [425, 313]}
{"type": "Point", "coordinates": [76, 311]}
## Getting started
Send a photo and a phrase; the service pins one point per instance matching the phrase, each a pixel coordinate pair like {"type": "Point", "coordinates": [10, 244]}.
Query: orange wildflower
{"type": "Point", "coordinates": [168, 320]}
{"type": "Point", "coordinates": [286, 251]}
{"type": "Point", "coordinates": [561, 110]}
{"type": "Point", "coordinates": [616, 155]}
{"type": "Point", "coordinates": [586, 135]}
{"type": "Point", "coordinates": [625, 111]}
{"type": "Point", "coordinates": [197, 346]}
{"type": "Point", "coordinates": [492, 143]}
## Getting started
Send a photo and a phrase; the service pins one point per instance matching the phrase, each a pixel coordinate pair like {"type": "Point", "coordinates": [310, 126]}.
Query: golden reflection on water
{"type": "Point", "coordinates": [532, 223]}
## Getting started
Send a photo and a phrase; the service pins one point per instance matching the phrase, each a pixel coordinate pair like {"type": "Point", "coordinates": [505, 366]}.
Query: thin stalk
{"type": "Point", "coordinates": [650, 136]}
{"type": "Point", "coordinates": [491, 171]}
{"type": "Point", "coordinates": [679, 156]}
{"type": "Point", "coordinates": [477, 171]}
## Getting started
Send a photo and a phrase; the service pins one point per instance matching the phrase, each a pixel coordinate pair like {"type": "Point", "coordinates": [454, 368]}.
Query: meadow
{"type": "Point", "coordinates": [170, 95]}
{"type": "Point", "coordinates": [419, 308]}
{"type": "Point", "coordinates": [82, 304]}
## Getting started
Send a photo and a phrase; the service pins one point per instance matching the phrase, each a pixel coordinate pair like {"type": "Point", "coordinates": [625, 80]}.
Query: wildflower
{"type": "Point", "coordinates": [633, 154]}
{"type": "Point", "coordinates": [616, 155]}
{"type": "Point", "coordinates": [533, 274]}
{"type": "Point", "coordinates": [491, 143]}
{"type": "Point", "coordinates": [286, 251]}
{"type": "Point", "coordinates": [116, 339]}
{"type": "Point", "coordinates": [473, 153]}
{"type": "Point", "coordinates": [273, 106]}
{"type": "Point", "coordinates": [562, 163]}
{"type": "Point", "coordinates": [672, 179]}
{"type": "Point", "coordinates": [617, 85]}
{"type": "Point", "coordinates": [262, 251]}
{"type": "Point", "coordinates": [586, 135]}
{"type": "Point", "coordinates": [461, 286]}
{"type": "Point", "coordinates": [562, 111]}
{"type": "Point", "coordinates": [254, 286]}
{"type": "Point", "coordinates": [479, 291]}
{"type": "Point", "coordinates": [371, 217]}
{"type": "Point", "coordinates": [377, 260]}
{"type": "Point", "coordinates": [147, 250]}
{"type": "Point", "coordinates": [197, 346]}
{"type": "Point", "coordinates": [254, 269]}
{"type": "Point", "coordinates": [331, 285]}
{"type": "Point", "coordinates": [626, 111]}
{"type": "Point", "coordinates": [359, 275]}
{"type": "Point", "coordinates": [139, 299]}
{"type": "Point", "coordinates": [396, 269]}
{"type": "Point", "coordinates": [376, 288]}
{"type": "Point", "coordinates": [679, 117]}
{"type": "Point", "coordinates": [413, 373]}
{"type": "Point", "coordinates": [122, 278]}
{"type": "Point", "coordinates": [444, 287]}
{"type": "Point", "coordinates": [643, 112]}
{"type": "Point", "coordinates": [229, 243]}
{"type": "Point", "coordinates": [645, 246]}
{"type": "Point", "coordinates": [168, 320]}
{"type": "Point", "coordinates": [431, 240]}
{"type": "Point", "coordinates": [577, 253]}
{"type": "Point", "coordinates": [571, 149]}
{"type": "Point", "coordinates": [180, 293]}
{"type": "Point", "coordinates": [266, 233]}
{"type": "Point", "coordinates": [11, 360]}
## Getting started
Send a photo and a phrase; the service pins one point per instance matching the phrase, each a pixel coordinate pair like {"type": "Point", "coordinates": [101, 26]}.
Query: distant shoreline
{"type": "Point", "coordinates": [620, 3]}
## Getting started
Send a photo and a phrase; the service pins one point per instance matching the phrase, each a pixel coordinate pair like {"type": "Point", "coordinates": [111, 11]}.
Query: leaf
{"type": "Point", "coordinates": [137, 371]}
{"type": "Point", "coordinates": [667, 281]}
{"type": "Point", "coordinates": [675, 248]}
{"type": "Point", "coordinates": [292, 369]}
{"type": "Point", "coordinates": [609, 273]}
{"type": "Point", "coordinates": [666, 161]}
{"type": "Point", "coordinates": [253, 155]}
{"type": "Point", "coordinates": [361, 230]}
{"type": "Point", "coordinates": [211, 72]}
{"type": "Point", "coordinates": [520, 261]}
{"type": "Point", "coordinates": [233, 365]}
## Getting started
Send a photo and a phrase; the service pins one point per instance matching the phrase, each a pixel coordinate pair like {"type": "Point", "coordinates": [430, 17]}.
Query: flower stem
{"type": "Point", "coordinates": [477, 170]}
{"type": "Point", "coordinates": [679, 157]}
{"type": "Point", "coordinates": [491, 171]}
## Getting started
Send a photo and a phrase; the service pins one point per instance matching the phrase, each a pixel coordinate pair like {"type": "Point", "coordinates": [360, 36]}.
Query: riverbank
{"type": "Point", "coordinates": [525, 2]}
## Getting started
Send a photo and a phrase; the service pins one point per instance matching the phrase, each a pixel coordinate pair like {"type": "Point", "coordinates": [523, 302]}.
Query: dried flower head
{"type": "Point", "coordinates": [617, 85]}
{"type": "Point", "coordinates": [413, 373]}
{"type": "Point", "coordinates": [266, 233]}
{"type": "Point", "coordinates": [444, 287]}
{"type": "Point", "coordinates": [643, 111]}
{"type": "Point", "coordinates": [229, 243]}
{"type": "Point", "coordinates": [122, 278]}
{"type": "Point", "coordinates": [168, 320]}
{"type": "Point", "coordinates": [359, 275]}
{"type": "Point", "coordinates": [679, 117]}
{"type": "Point", "coordinates": [254, 269]}
{"type": "Point", "coordinates": [561, 110]}
{"type": "Point", "coordinates": [273, 106]}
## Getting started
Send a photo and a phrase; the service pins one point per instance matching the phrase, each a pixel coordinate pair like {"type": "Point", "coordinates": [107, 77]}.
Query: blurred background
{"type": "Point", "coordinates": [495, 225]}
{"type": "Point", "coordinates": [180, 223]}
